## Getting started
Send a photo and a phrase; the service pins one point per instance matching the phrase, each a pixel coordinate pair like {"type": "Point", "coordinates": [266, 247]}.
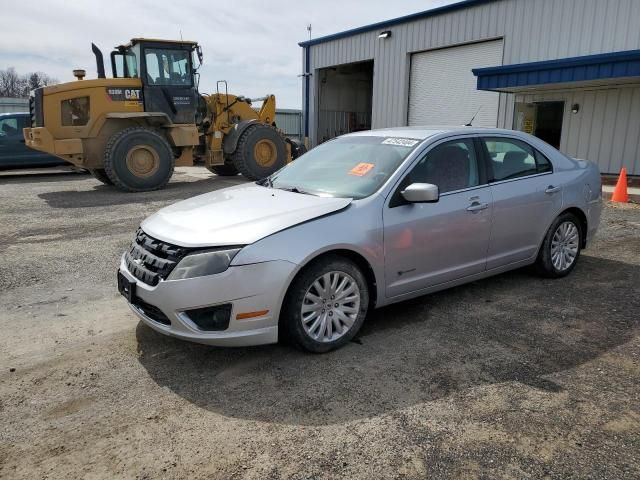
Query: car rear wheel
{"type": "Point", "coordinates": [326, 305]}
{"type": "Point", "coordinates": [561, 247]}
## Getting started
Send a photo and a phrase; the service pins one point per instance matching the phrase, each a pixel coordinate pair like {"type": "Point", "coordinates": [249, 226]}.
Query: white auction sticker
{"type": "Point", "coordinates": [403, 142]}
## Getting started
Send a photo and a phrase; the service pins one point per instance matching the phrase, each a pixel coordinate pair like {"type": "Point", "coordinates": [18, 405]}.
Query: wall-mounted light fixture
{"type": "Point", "coordinates": [575, 108]}
{"type": "Point", "coordinates": [385, 34]}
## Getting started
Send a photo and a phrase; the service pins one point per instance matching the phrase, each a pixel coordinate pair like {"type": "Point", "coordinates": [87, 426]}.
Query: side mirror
{"type": "Point", "coordinates": [421, 193]}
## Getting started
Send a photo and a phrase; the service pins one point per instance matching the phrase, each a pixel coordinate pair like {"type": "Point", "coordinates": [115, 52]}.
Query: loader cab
{"type": "Point", "coordinates": [167, 73]}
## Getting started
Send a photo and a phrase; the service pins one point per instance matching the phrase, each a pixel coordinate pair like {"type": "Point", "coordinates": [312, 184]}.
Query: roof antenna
{"type": "Point", "coordinates": [473, 118]}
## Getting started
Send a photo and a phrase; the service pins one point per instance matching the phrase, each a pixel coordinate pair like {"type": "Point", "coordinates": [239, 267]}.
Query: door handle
{"type": "Point", "coordinates": [551, 189]}
{"type": "Point", "coordinates": [476, 207]}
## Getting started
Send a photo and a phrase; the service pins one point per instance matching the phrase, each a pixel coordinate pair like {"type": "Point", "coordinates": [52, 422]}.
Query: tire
{"type": "Point", "coordinates": [256, 139]}
{"type": "Point", "coordinates": [226, 170]}
{"type": "Point", "coordinates": [315, 337]}
{"type": "Point", "coordinates": [100, 175]}
{"type": "Point", "coordinates": [138, 159]}
{"type": "Point", "coordinates": [567, 230]}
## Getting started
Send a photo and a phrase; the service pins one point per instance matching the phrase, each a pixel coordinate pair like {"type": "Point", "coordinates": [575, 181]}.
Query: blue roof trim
{"type": "Point", "coordinates": [395, 21]}
{"type": "Point", "coordinates": [563, 70]}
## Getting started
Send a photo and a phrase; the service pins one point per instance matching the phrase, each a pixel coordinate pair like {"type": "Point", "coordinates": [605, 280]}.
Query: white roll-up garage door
{"type": "Point", "coordinates": [442, 89]}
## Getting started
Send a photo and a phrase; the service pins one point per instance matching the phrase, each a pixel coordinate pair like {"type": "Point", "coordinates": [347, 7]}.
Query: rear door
{"type": "Point", "coordinates": [526, 197]}
{"type": "Point", "coordinates": [427, 244]}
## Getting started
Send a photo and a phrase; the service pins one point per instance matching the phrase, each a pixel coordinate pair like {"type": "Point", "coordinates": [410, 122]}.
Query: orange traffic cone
{"type": "Point", "coordinates": [620, 192]}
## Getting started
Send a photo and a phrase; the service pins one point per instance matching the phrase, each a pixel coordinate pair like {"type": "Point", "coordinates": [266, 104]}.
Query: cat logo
{"type": "Point", "coordinates": [133, 95]}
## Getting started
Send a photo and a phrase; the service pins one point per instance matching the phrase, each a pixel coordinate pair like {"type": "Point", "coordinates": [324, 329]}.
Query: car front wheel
{"type": "Point", "coordinates": [561, 247]}
{"type": "Point", "coordinates": [326, 305]}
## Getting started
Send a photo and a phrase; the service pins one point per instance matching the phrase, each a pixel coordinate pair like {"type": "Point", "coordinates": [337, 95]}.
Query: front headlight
{"type": "Point", "coordinates": [204, 263]}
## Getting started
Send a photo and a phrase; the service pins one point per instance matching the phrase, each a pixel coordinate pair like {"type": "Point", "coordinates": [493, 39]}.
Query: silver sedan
{"type": "Point", "coordinates": [359, 222]}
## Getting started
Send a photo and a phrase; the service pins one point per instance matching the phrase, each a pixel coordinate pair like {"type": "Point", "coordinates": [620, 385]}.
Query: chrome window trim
{"type": "Point", "coordinates": [524, 177]}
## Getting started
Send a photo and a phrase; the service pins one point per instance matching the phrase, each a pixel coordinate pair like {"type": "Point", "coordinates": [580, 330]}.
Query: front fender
{"type": "Point", "coordinates": [231, 139]}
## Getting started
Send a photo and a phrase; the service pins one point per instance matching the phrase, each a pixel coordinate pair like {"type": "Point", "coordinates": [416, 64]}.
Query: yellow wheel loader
{"type": "Point", "coordinates": [131, 130]}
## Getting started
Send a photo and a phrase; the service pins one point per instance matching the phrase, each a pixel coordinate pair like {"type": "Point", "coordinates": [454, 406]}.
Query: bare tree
{"type": "Point", "coordinates": [14, 85]}
{"type": "Point", "coordinates": [11, 84]}
{"type": "Point", "coordinates": [40, 79]}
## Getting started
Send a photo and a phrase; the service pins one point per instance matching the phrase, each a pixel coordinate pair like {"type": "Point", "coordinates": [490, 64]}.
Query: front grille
{"type": "Point", "coordinates": [151, 311]}
{"type": "Point", "coordinates": [151, 260]}
{"type": "Point", "coordinates": [35, 108]}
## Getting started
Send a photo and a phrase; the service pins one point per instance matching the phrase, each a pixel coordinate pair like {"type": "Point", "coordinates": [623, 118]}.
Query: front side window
{"type": "Point", "coordinates": [168, 67]}
{"type": "Point", "coordinates": [349, 167]}
{"type": "Point", "coordinates": [75, 112]}
{"type": "Point", "coordinates": [451, 166]}
{"type": "Point", "coordinates": [511, 158]}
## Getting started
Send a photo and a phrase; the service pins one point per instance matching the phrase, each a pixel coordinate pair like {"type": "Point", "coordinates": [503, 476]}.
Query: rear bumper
{"type": "Point", "coordinates": [249, 288]}
{"type": "Point", "coordinates": [593, 220]}
{"type": "Point", "coordinates": [40, 138]}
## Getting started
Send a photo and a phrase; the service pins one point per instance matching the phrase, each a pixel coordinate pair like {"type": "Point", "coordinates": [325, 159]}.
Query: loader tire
{"type": "Point", "coordinates": [100, 175]}
{"type": "Point", "coordinates": [226, 170]}
{"type": "Point", "coordinates": [260, 152]}
{"type": "Point", "coordinates": [138, 159]}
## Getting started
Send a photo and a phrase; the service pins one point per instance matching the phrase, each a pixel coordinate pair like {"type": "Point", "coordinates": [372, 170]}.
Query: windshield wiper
{"type": "Point", "coordinates": [265, 182]}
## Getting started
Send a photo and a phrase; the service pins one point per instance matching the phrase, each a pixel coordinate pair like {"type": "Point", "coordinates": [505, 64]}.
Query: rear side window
{"type": "Point", "coordinates": [544, 165]}
{"type": "Point", "coordinates": [511, 158]}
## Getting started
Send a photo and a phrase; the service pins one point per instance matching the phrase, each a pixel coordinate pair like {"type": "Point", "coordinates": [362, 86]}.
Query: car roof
{"type": "Point", "coordinates": [12, 114]}
{"type": "Point", "coordinates": [422, 133]}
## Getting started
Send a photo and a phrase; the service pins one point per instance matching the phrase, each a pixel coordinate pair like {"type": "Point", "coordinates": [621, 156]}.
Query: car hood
{"type": "Point", "coordinates": [237, 215]}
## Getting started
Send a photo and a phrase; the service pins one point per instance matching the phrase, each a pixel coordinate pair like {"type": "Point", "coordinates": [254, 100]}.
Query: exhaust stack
{"type": "Point", "coordinates": [99, 60]}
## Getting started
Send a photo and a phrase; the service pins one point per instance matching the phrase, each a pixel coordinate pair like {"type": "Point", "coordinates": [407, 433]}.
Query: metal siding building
{"type": "Point", "coordinates": [13, 105]}
{"type": "Point", "coordinates": [290, 122]}
{"type": "Point", "coordinates": [605, 129]}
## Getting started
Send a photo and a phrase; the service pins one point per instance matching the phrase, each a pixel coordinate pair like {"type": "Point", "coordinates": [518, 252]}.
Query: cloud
{"type": "Point", "coordinates": [252, 44]}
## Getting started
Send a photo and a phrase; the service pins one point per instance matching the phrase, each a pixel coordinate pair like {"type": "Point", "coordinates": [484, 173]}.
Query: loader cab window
{"type": "Point", "coordinates": [125, 65]}
{"type": "Point", "coordinates": [168, 67]}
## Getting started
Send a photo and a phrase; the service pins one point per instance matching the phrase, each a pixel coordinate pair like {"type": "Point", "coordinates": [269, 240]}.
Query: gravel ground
{"type": "Point", "coordinates": [510, 377]}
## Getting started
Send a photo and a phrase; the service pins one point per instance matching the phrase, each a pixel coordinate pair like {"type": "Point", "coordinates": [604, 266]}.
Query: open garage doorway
{"type": "Point", "coordinates": [344, 99]}
{"type": "Point", "coordinates": [542, 119]}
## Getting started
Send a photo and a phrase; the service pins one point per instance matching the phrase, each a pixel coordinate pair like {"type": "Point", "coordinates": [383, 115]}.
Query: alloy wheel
{"type": "Point", "coordinates": [330, 306]}
{"type": "Point", "coordinates": [564, 246]}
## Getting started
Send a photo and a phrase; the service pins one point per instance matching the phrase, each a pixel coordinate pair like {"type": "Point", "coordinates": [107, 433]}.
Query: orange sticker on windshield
{"type": "Point", "coordinates": [361, 169]}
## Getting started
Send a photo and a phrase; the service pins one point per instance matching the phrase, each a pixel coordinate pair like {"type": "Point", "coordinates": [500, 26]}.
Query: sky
{"type": "Point", "coordinates": [251, 44]}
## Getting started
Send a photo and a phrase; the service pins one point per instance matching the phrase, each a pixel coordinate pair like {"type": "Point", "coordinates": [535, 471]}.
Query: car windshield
{"type": "Point", "coordinates": [350, 167]}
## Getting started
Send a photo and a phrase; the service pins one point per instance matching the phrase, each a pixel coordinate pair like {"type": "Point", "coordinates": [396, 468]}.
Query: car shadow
{"type": "Point", "coordinates": [515, 327]}
{"type": "Point", "coordinates": [104, 195]}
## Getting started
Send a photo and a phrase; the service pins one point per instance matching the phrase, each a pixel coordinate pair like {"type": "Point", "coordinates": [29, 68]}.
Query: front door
{"type": "Point", "coordinates": [168, 83]}
{"type": "Point", "coordinates": [428, 244]}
